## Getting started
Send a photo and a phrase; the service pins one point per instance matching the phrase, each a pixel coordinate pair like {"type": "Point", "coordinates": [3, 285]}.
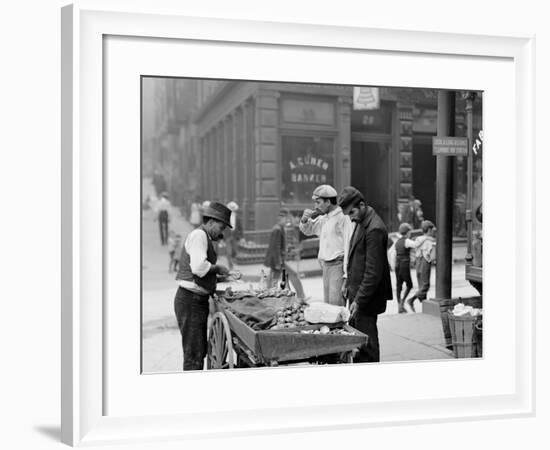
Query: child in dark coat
{"type": "Point", "coordinates": [403, 247]}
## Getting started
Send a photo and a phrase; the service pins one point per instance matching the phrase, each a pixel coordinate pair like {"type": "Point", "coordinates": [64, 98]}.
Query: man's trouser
{"type": "Point", "coordinates": [163, 227]}
{"type": "Point", "coordinates": [333, 279]}
{"type": "Point", "coordinates": [192, 315]}
{"type": "Point", "coordinates": [367, 324]}
{"type": "Point", "coordinates": [423, 272]}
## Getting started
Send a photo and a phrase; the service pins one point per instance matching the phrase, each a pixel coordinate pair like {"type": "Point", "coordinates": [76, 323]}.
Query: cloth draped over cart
{"type": "Point", "coordinates": [258, 313]}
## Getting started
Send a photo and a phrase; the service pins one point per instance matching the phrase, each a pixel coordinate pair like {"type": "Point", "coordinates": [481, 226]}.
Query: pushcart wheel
{"type": "Point", "coordinates": [220, 347]}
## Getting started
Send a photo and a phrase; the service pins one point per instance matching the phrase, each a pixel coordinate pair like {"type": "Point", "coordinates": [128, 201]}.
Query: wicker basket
{"type": "Point", "coordinates": [479, 336]}
{"type": "Point", "coordinates": [447, 305]}
{"type": "Point", "coordinates": [464, 336]}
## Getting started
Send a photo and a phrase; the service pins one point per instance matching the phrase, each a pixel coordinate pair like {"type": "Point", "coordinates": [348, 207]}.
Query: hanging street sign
{"type": "Point", "coordinates": [366, 98]}
{"type": "Point", "coordinates": [450, 146]}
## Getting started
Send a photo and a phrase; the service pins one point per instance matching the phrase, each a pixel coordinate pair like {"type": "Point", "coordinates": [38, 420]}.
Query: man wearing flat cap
{"type": "Point", "coordinates": [196, 278]}
{"type": "Point", "coordinates": [334, 230]}
{"type": "Point", "coordinates": [368, 285]}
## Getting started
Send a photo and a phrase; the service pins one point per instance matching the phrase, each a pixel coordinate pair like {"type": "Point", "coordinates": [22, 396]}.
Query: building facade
{"type": "Point", "coordinates": [268, 145]}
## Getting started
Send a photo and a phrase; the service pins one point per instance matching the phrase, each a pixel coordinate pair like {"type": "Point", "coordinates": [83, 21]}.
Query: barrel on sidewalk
{"type": "Point", "coordinates": [447, 305]}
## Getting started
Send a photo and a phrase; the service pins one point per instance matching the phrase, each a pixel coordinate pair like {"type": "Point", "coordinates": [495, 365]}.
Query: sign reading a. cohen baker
{"type": "Point", "coordinates": [450, 146]}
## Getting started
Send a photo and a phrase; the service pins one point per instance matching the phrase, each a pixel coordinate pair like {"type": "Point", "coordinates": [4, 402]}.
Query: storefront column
{"type": "Point", "coordinates": [232, 169]}
{"type": "Point", "coordinates": [227, 194]}
{"type": "Point", "coordinates": [246, 161]}
{"type": "Point", "coordinates": [405, 177]}
{"type": "Point", "coordinates": [266, 148]}
{"type": "Point", "coordinates": [221, 151]}
{"type": "Point", "coordinates": [343, 144]}
{"type": "Point", "coordinates": [202, 156]}
{"type": "Point", "coordinates": [212, 159]}
{"type": "Point", "coordinates": [249, 165]}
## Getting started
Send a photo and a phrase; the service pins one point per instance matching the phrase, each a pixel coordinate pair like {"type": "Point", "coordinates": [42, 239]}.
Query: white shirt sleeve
{"type": "Point", "coordinates": [313, 227]}
{"type": "Point", "coordinates": [196, 246]}
{"type": "Point", "coordinates": [427, 249]}
{"type": "Point", "coordinates": [409, 243]}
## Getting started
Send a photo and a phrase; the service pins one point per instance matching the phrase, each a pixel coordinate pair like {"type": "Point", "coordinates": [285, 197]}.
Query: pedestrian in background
{"type": "Point", "coordinates": [175, 242]}
{"type": "Point", "coordinates": [411, 213]}
{"type": "Point", "coordinates": [163, 217]}
{"type": "Point", "coordinates": [195, 213]}
{"type": "Point", "coordinates": [425, 257]}
{"type": "Point", "coordinates": [334, 230]}
{"type": "Point", "coordinates": [275, 257]}
{"type": "Point", "coordinates": [171, 249]}
{"type": "Point", "coordinates": [159, 182]}
{"type": "Point", "coordinates": [233, 234]}
{"type": "Point", "coordinates": [403, 247]}
{"type": "Point", "coordinates": [368, 286]}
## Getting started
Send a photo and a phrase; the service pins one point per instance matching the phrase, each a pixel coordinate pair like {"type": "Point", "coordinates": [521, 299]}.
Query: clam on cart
{"type": "Point", "coordinates": [234, 343]}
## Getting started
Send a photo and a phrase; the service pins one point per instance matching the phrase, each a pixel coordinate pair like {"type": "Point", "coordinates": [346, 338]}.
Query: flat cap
{"type": "Point", "coordinates": [348, 198]}
{"type": "Point", "coordinates": [426, 225]}
{"type": "Point", "coordinates": [404, 228]}
{"type": "Point", "coordinates": [324, 191]}
{"type": "Point", "coordinates": [284, 212]}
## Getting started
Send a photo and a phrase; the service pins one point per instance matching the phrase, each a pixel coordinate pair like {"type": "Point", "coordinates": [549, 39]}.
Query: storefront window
{"type": "Point", "coordinates": [373, 121]}
{"type": "Point", "coordinates": [307, 162]}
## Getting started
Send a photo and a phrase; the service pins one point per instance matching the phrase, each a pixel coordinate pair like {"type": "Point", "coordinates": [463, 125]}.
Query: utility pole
{"type": "Point", "coordinates": [470, 97]}
{"type": "Point", "coordinates": [444, 198]}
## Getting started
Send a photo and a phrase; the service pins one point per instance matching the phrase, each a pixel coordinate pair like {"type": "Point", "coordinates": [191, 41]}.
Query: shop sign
{"type": "Point", "coordinates": [450, 146]}
{"type": "Point", "coordinates": [308, 169]}
{"type": "Point", "coordinates": [366, 98]}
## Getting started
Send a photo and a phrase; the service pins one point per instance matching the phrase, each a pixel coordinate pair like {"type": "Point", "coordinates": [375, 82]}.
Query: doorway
{"type": "Point", "coordinates": [370, 173]}
{"type": "Point", "coordinates": [424, 175]}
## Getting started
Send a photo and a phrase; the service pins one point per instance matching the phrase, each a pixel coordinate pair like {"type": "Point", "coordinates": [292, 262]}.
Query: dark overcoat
{"type": "Point", "coordinates": [369, 282]}
{"type": "Point", "coordinates": [274, 257]}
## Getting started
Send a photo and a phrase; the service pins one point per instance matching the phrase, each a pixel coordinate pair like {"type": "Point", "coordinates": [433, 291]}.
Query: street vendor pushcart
{"type": "Point", "coordinates": [232, 342]}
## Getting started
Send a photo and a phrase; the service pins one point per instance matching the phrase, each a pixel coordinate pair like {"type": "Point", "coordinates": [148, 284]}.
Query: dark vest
{"type": "Point", "coordinates": [207, 282]}
{"type": "Point", "coordinates": [402, 253]}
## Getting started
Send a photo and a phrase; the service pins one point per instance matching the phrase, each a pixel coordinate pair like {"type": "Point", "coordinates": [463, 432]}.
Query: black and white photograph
{"type": "Point", "coordinates": [299, 225]}
{"type": "Point", "coordinates": [308, 224]}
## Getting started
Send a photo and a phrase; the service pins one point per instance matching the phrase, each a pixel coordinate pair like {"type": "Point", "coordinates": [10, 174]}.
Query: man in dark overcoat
{"type": "Point", "coordinates": [276, 255]}
{"type": "Point", "coordinates": [368, 286]}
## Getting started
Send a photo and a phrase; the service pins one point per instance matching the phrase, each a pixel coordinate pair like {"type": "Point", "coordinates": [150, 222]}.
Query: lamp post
{"type": "Point", "coordinates": [444, 198]}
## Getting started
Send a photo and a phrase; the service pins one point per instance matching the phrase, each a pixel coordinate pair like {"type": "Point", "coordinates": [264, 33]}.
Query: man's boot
{"type": "Point", "coordinates": [410, 302]}
{"type": "Point", "coordinates": [401, 307]}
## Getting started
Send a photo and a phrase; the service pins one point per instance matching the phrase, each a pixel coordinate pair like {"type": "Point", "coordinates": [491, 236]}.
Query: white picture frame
{"type": "Point", "coordinates": [85, 337]}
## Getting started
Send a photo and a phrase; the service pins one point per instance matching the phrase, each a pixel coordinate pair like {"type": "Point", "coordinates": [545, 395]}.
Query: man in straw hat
{"type": "Point", "coordinates": [368, 286]}
{"type": "Point", "coordinates": [334, 230]}
{"type": "Point", "coordinates": [197, 282]}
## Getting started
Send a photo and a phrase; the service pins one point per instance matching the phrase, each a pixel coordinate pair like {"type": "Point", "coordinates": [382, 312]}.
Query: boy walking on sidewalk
{"type": "Point", "coordinates": [403, 247]}
{"type": "Point", "coordinates": [425, 256]}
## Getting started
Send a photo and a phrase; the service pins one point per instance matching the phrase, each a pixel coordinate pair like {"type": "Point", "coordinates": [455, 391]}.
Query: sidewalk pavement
{"type": "Point", "coordinates": [403, 337]}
